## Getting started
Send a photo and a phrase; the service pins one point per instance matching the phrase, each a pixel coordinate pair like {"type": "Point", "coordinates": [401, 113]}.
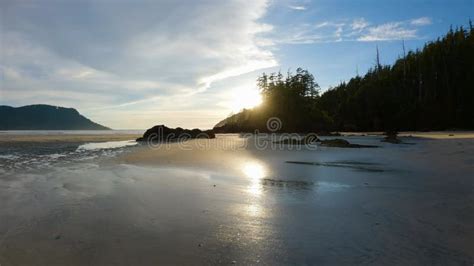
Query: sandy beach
{"type": "Point", "coordinates": [225, 201]}
{"type": "Point", "coordinates": [287, 132]}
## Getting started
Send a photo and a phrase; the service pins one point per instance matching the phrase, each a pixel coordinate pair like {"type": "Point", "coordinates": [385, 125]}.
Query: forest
{"type": "Point", "coordinates": [428, 89]}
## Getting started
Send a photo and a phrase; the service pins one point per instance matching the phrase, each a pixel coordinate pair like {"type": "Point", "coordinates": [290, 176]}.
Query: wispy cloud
{"type": "Point", "coordinates": [358, 29]}
{"type": "Point", "coordinates": [388, 32]}
{"type": "Point", "coordinates": [359, 24]}
{"type": "Point", "coordinates": [423, 21]}
{"type": "Point", "coordinates": [297, 7]}
{"type": "Point", "coordinates": [326, 24]}
{"type": "Point", "coordinates": [166, 49]}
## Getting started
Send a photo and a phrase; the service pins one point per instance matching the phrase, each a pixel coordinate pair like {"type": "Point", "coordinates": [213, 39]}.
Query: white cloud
{"type": "Point", "coordinates": [387, 32]}
{"type": "Point", "coordinates": [359, 24]}
{"type": "Point", "coordinates": [92, 54]}
{"type": "Point", "coordinates": [346, 30]}
{"type": "Point", "coordinates": [329, 24]}
{"type": "Point", "coordinates": [423, 21]}
{"type": "Point", "coordinates": [301, 8]}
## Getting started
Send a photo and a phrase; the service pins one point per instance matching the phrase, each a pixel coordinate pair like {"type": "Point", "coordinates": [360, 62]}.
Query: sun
{"type": "Point", "coordinates": [245, 97]}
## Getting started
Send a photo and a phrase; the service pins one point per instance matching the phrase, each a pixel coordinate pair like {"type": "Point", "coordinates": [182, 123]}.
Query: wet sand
{"type": "Point", "coordinates": [58, 137]}
{"type": "Point", "coordinates": [224, 204]}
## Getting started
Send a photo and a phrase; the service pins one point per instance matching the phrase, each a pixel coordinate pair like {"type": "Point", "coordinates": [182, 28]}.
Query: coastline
{"type": "Point", "coordinates": [119, 135]}
{"type": "Point", "coordinates": [448, 134]}
{"type": "Point", "coordinates": [42, 136]}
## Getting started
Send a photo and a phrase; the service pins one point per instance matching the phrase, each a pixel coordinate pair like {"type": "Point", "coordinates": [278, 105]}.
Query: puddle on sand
{"type": "Point", "coordinates": [107, 145]}
{"type": "Point", "coordinates": [360, 166]}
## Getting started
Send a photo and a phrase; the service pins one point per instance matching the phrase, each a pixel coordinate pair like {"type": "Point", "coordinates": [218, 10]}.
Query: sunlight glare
{"type": "Point", "coordinates": [255, 172]}
{"type": "Point", "coordinates": [245, 97]}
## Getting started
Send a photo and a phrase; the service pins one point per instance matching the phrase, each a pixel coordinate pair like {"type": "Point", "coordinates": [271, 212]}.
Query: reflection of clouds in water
{"type": "Point", "coordinates": [106, 145]}
{"type": "Point", "coordinates": [255, 171]}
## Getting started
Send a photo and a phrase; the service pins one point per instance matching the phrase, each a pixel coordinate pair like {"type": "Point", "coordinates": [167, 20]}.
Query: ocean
{"type": "Point", "coordinates": [29, 150]}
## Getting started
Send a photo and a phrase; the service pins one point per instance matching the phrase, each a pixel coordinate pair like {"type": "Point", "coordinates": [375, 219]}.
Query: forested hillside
{"type": "Point", "coordinates": [427, 89]}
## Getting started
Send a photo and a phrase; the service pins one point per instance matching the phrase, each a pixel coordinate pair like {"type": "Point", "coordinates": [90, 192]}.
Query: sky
{"type": "Point", "coordinates": [134, 64]}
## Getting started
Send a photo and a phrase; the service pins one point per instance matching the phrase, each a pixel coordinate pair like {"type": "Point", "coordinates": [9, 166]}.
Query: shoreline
{"type": "Point", "coordinates": [84, 136]}
{"type": "Point", "coordinates": [450, 134]}
{"type": "Point", "coordinates": [65, 137]}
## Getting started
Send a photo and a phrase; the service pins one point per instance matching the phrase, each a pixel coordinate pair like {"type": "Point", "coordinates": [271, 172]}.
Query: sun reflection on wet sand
{"type": "Point", "coordinates": [252, 228]}
{"type": "Point", "coordinates": [255, 171]}
{"type": "Point", "coordinates": [254, 210]}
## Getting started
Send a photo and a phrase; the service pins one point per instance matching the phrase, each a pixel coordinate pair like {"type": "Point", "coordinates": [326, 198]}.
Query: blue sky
{"type": "Point", "coordinates": [333, 60]}
{"type": "Point", "coordinates": [134, 64]}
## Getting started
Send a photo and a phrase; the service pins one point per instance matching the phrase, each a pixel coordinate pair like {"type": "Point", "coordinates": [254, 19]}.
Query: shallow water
{"type": "Point", "coordinates": [107, 145]}
{"type": "Point", "coordinates": [69, 132]}
{"type": "Point", "coordinates": [231, 202]}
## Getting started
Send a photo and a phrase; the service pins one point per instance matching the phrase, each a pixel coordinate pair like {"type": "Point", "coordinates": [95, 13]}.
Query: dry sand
{"type": "Point", "coordinates": [440, 134]}
{"type": "Point", "coordinates": [419, 134]}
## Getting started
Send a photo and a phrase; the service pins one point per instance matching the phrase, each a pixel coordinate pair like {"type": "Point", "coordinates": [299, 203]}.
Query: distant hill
{"type": "Point", "coordinates": [44, 117]}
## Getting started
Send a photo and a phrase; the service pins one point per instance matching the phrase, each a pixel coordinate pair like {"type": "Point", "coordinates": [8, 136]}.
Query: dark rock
{"type": "Point", "coordinates": [342, 143]}
{"type": "Point", "coordinates": [162, 133]}
{"type": "Point", "coordinates": [329, 134]}
{"type": "Point", "coordinates": [391, 137]}
{"type": "Point", "coordinates": [308, 139]}
{"type": "Point", "coordinates": [335, 143]}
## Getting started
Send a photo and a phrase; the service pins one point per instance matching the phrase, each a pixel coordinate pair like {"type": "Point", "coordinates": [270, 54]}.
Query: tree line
{"type": "Point", "coordinates": [428, 89]}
